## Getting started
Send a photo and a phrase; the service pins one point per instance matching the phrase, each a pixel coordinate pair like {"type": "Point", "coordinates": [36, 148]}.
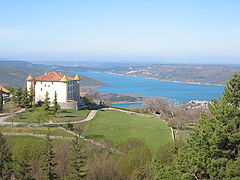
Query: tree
{"type": "Point", "coordinates": [1, 100]}
{"type": "Point", "coordinates": [55, 103]}
{"type": "Point", "coordinates": [31, 95]}
{"type": "Point", "coordinates": [48, 161]}
{"type": "Point", "coordinates": [22, 169]}
{"type": "Point", "coordinates": [163, 159]}
{"type": "Point", "coordinates": [213, 144]}
{"type": "Point", "coordinates": [46, 105]}
{"type": "Point", "coordinates": [38, 115]}
{"type": "Point", "coordinates": [136, 163]}
{"type": "Point", "coordinates": [24, 99]}
{"type": "Point", "coordinates": [213, 150]}
{"type": "Point", "coordinates": [231, 92]}
{"type": "Point", "coordinates": [77, 160]}
{"type": "Point", "coordinates": [17, 95]}
{"type": "Point", "coordinates": [6, 169]}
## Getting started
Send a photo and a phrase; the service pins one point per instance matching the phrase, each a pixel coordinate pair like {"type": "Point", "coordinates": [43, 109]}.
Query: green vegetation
{"type": "Point", "coordinates": [10, 107]}
{"type": "Point", "coordinates": [212, 151]}
{"type": "Point", "coordinates": [184, 132]}
{"type": "Point", "coordinates": [35, 130]}
{"type": "Point", "coordinates": [119, 126]}
{"type": "Point", "coordinates": [77, 160]}
{"type": "Point", "coordinates": [38, 116]}
{"type": "Point", "coordinates": [67, 115]}
{"type": "Point", "coordinates": [48, 163]}
{"type": "Point", "coordinates": [5, 159]}
{"type": "Point", "coordinates": [232, 91]}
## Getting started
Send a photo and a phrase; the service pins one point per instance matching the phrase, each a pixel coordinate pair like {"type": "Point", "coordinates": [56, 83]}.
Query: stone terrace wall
{"type": "Point", "coordinates": [69, 105]}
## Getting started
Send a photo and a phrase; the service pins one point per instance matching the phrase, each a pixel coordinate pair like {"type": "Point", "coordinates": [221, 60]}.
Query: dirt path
{"type": "Point", "coordinates": [37, 135]}
{"type": "Point", "coordinates": [91, 141]}
{"type": "Point", "coordinates": [90, 116]}
{"type": "Point", "coordinates": [3, 117]}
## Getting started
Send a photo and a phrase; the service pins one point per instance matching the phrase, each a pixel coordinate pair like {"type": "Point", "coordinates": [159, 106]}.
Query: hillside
{"type": "Point", "coordinates": [209, 74]}
{"type": "Point", "coordinates": [16, 76]}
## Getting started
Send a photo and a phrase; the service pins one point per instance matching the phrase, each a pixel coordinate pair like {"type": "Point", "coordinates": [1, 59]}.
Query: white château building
{"type": "Point", "coordinates": [67, 89]}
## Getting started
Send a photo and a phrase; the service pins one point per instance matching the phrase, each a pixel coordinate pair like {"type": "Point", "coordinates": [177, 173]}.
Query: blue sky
{"type": "Point", "coordinates": [186, 31]}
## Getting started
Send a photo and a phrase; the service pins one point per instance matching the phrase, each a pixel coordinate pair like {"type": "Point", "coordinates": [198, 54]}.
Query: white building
{"type": "Point", "coordinates": [5, 94]}
{"type": "Point", "coordinates": [67, 88]}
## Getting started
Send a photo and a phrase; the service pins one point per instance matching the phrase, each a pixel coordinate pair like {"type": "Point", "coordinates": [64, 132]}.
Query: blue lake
{"type": "Point", "coordinates": [127, 105]}
{"type": "Point", "coordinates": [180, 92]}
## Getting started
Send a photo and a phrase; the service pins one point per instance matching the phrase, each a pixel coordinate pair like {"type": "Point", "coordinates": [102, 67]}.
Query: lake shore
{"type": "Point", "coordinates": [166, 80]}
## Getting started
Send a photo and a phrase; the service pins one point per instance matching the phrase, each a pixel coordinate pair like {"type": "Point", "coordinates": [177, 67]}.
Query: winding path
{"type": "Point", "coordinates": [3, 117]}
{"type": "Point", "coordinates": [90, 116]}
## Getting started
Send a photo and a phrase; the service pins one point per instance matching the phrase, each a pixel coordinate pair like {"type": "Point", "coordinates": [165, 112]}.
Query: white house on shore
{"type": "Point", "coordinates": [67, 89]}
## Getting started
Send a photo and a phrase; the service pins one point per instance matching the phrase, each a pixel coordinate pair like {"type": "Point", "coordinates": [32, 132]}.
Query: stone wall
{"type": "Point", "coordinates": [69, 105]}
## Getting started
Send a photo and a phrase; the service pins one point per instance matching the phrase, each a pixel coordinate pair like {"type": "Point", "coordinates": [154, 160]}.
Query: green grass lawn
{"type": "Point", "coordinates": [67, 115]}
{"type": "Point", "coordinates": [119, 126]}
{"type": "Point", "coordinates": [35, 130]}
{"type": "Point", "coordinates": [64, 115]}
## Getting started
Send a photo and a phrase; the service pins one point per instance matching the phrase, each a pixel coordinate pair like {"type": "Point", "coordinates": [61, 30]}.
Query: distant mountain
{"type": "Point", "coordinates": [21, 64]}
{"type": "Point", "coordinates": [205, 74]}
{"type": "Point", "coordinates": [25, 64]}
{"type": "Point", "coordinates": [16, 76]}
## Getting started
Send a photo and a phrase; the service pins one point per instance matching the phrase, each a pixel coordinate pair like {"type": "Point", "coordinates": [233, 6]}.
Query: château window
{"type": "Point", "coordinates": [48, 85]}
{"type": "Point", "coordinates": [52, 82]}
{"type": "Point", "coordinates": [41, 89]}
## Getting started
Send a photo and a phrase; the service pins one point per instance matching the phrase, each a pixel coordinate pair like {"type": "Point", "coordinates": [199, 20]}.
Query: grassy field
{"type": "Point", "coordinates": [70, 115]}
{"type": "Point", "coordinates": [119, 126]}
{"type": "Point", "coordinates": [35, 130]}
{"type": "Point", "coordinates": [30, 116]}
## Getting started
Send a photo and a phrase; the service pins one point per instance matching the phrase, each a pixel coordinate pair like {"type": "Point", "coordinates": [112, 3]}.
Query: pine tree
{"type": "Point", "coordinates": [77, 160]}
{"type": "Point", "coordinates": [48, 161]}
{"type": "Point", "coordinates": [23, 169]}
{"type": "Point", "coordinates": [213, 145]}
{"type": "Point", "coordinates": [17, 95]}
{"type": "Point", "coordinates": [55, 103]}
{"type": "Point", "coordinates": [31, 95]}
{"type": "Point", "coordinates": [1, 100]}
{"type": "Point", "coordinates": [232, 90]}
{"type": "Point", "coordinates": [6, 169]}
{"type": "Point", "coordinates": [46, 105]}
{"type": "Point", "coordinates": [25, 101]}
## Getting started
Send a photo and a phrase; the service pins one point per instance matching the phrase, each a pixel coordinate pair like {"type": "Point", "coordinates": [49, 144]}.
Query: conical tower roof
{"type": "Point", "coordinates": [64, 79]}
{"type": "Point", "coordinates": [76, 78]}
{"type": "Point", "coordinates": [30, 78]}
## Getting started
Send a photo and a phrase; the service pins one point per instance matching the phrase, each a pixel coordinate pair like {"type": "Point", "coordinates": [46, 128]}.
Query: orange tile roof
{"type": "Point", "coordinates": [29, 78]}
{"type": "Point", "coordinates": [4, 89]}
{"type": "Point", "coordinates": [52, 76]}
{"type": "Point", "coordinates": [69, 100]}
